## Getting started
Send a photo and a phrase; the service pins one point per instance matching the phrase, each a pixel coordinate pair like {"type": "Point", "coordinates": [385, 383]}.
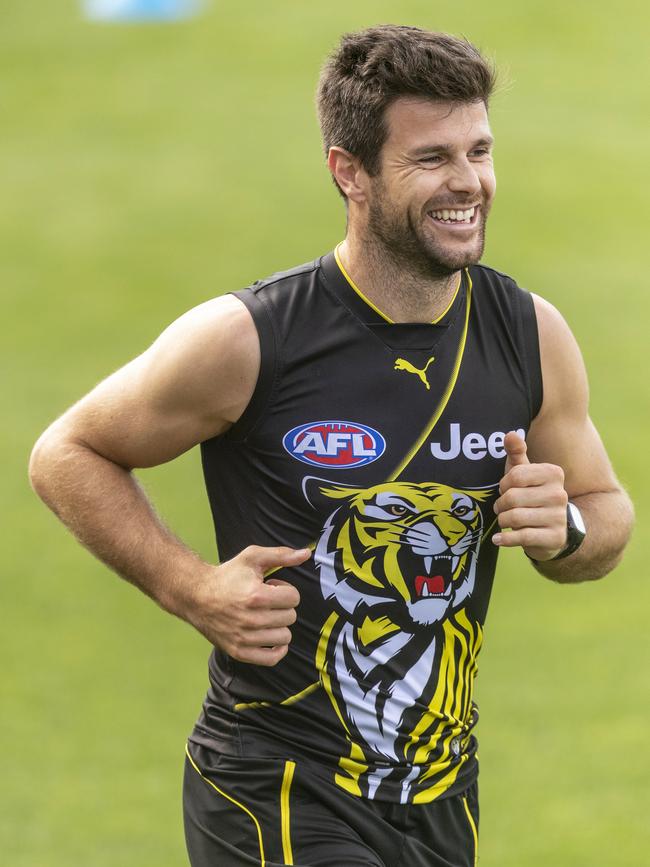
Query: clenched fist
{"type": "Point", "coordinates": [237, 611]}
{"type": "Point", "coordinates": [532, 504]}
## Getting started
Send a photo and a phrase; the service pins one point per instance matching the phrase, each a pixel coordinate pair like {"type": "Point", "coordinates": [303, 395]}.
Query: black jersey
{"type": "Point", "coordinates": [380, 446]}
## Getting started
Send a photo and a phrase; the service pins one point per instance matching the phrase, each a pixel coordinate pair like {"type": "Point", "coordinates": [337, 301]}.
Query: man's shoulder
{"type": "Point", "coordinates": [286, 276]}
{"type": "Point", "coordinates": [492, 275]}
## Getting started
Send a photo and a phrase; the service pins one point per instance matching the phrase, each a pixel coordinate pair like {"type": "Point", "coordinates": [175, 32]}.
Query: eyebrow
{"type": "Point", "coordinates": [446, 148]}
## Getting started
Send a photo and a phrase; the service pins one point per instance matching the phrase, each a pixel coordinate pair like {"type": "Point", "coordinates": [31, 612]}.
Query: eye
{"type": "Point", "coordinates": [433, 160]}
{"type": "Point", "coordinates": [461, 511]}
{"type": "Point", "coordinates": [480, 152]}
{"type": "Point", "coordinates": [397, 510]}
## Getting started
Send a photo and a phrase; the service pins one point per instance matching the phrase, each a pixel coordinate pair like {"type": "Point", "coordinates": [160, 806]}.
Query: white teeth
{"type": "Point", "coordinates": [456, 216]}
{"type": "Point", "coordinates": [427, 565]}
{"type": "Point", "coordinates": [425, 590]}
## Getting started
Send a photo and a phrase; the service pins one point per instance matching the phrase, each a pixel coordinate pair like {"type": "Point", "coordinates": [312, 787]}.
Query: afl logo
{"type": "Point", "coordinates": [338, 445]}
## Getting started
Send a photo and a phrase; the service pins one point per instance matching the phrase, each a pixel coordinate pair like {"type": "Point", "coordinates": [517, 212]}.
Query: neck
{"type": "Point", "coordinates": [402, 294]}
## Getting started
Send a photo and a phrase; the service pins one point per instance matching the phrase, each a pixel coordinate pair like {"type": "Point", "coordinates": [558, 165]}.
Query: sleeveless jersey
{"type": "Point", "coordinates": [380, 446]}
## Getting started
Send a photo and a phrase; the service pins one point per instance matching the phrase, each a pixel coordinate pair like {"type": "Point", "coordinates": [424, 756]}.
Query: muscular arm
{"type": "Point", "coordinates": [567, 461]}
{"type": "Point", "coordinates": [190, 385]}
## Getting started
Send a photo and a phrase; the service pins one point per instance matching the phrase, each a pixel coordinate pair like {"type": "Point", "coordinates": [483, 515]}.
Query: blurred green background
{"type": "Point", "coordinates": [144, 169]}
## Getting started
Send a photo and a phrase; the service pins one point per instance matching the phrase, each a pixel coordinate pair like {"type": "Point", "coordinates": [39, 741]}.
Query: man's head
{"type": "Point", "coordinates": [403, 115]}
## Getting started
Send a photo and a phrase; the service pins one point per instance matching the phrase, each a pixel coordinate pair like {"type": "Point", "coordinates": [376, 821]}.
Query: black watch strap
{"type": "Point", "coordinates": [575, 532]}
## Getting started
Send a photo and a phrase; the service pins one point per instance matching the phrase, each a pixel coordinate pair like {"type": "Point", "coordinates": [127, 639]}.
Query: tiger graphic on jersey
{"type": "Point", "coordinates": [397, 654]}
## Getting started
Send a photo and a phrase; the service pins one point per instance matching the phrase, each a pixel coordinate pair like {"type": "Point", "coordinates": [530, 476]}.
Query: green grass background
{"type": "Point", "coordinates": [144, 169]}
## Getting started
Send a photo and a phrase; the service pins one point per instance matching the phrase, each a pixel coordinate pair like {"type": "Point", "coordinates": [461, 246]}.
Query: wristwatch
{"type": "Point", "coordinates": [575, 532]}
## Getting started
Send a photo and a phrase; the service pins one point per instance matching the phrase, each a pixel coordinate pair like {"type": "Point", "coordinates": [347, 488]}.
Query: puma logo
{"type": "Point", "coordinates": [403, 364]}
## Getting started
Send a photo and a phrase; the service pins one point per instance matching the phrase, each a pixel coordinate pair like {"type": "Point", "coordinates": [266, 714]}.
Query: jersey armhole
{"type": "Point", "coordinates": [268, 365]}
{"type": "Point", "coordinates": [530, 351]}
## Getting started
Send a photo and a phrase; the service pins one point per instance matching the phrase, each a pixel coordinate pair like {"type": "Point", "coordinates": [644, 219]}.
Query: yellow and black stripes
{"type": "Point", "coordinates": [474, 829]}
{"type": "Point", "coordinates": [285, 812]}
{"type": "Point", "coordinates": [283, 830]}
{"type": "Point", "coordinates": [448, 722]}
{"type": "Point", "coordinates": [437, 743]}
{"type": "Point", "coordinates": [232, 801]}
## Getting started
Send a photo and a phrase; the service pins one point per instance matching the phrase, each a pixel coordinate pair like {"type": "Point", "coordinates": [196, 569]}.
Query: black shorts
{"type": "Point", "coordinates": [241, 812]}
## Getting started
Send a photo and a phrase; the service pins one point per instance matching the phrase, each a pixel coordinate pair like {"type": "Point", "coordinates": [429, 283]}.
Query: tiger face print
{"type": "Point", "coordinates": [395, 561]}
{"type": "Point", "coordinates": [401, 546]}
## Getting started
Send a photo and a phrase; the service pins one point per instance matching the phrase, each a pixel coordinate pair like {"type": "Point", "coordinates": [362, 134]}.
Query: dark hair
{"type": "Point", "coordinates": [370, 69]}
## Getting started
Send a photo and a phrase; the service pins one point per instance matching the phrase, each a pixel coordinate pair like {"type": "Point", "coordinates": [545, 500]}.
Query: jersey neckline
{"type": "Point", "coordinates": [352, 296]}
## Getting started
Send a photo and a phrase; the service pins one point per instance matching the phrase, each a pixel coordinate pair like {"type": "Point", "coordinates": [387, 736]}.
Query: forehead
{"type": "Point", "coordinates": [415, 123]}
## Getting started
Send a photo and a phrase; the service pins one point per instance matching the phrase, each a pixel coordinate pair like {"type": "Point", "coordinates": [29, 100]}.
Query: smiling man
{"type": "Point", "coordinates": [374, 426]}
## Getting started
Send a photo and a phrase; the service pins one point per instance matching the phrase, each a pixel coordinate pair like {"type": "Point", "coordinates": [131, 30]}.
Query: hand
{"type": "Point", "coordinates": [532, 504]}
{"type": "Point", "coordinates": [242, 614]}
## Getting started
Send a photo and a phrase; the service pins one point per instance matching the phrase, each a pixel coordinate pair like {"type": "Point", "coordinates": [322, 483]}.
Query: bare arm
{"type": "Point", "coordinates": [565, 459]}
{"type": "Point", "coordinates": [190, 385]}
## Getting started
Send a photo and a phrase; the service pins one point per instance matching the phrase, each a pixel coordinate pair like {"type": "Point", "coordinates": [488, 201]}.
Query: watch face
{"type": "Point", "coordinates": [576, 517]}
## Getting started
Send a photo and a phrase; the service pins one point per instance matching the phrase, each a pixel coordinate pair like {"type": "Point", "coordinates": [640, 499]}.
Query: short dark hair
{"type": "Point", "coordinates": [370, 69]}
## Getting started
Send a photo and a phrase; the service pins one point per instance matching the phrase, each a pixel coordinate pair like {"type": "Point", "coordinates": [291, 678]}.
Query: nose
{"type": "Point", "coordinates": [426, 539]}
{"type": "Point", "coordinates": [463, 177]}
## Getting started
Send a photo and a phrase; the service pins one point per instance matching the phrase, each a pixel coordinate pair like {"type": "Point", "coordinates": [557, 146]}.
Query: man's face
{"type": "Point", "coordinates": [429, 203]}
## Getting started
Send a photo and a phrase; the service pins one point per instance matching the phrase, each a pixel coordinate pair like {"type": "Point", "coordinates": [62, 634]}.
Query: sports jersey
{"type": "Point", "coordinates": [380, 446]}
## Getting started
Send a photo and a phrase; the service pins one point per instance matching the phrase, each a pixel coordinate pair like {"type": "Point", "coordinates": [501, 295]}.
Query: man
{"type": "Point", "coordinates": [374, 426]}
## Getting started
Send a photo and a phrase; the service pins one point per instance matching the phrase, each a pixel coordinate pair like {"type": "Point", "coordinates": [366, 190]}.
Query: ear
{"type": "Point", "coordinates": [348, 172]}
{"type": "Point", "coordinates": [319, 493]}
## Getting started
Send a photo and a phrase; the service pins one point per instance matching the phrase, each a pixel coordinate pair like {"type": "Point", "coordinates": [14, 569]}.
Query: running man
{"type": "Point", "coordinates": [374, 426]}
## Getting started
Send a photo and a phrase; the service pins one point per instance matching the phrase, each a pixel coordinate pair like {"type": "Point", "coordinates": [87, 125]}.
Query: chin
{"type": "Point", "coordinates": [449, 261]}
{"type": "Point", "coordinates": [426, 612]}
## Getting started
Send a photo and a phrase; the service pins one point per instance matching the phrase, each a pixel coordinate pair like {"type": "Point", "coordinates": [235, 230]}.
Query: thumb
{"type": "Point", "coordinates": [516, 449]}
{"type": "Point", "coordinates": [265, 560]}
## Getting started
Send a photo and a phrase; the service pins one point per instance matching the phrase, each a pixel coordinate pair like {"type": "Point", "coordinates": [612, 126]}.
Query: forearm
{"type": "Point", "coordinates": [105, 508]}
{"type": "Point", "coordinates": [609, 517]}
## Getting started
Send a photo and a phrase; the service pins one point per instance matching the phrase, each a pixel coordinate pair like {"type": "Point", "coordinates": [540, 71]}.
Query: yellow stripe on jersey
{"type": "Point", "coordinates": [287, 853]}
{"type": "Point", "coordinates": [474, 831]}
{"type": "Point", "coordinates": [292, 699]}
{"type": "Point", "coordinates": [374, 306]}
{"type": "Point", "coordinates": [233, 801]}
{"type": "Point", "coordinates": [433, 421]}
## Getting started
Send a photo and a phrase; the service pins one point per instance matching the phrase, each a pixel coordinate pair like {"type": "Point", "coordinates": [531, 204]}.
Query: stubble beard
{"type": "Point", "coordinates": [405, 242]}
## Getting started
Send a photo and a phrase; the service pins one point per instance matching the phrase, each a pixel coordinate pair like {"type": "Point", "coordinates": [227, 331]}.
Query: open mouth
{"type": "Point", "coordinates": [455, 217]}
{"type": "Point", "coordinates": [435, 579]}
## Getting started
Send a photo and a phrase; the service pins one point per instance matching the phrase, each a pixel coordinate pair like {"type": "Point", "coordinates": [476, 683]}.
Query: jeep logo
{"type": "Point", "coordinates": [474, 446]}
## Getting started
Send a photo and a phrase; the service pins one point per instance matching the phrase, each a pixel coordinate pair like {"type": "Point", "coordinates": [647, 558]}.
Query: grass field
{"type": "Point", "coordinates": [144, 169]}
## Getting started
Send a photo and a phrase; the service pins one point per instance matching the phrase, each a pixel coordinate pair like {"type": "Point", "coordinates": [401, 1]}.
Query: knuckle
{"type": "Point", "coordinates": [517, 520]}
{"type": "Point", "coordinates": [518, 475]}
{"type": "Point", "coordinates": [559, 498]}
{"type": "Point", "coordinates": [247, 620]}
{"type": "Point", "coordinates": [255, 599]}
{"type": "Point", "coordinates": [560, 538]}
{"type": "Point", "coordinates": [527, 539]}
{"type": "Point", "coordinates": [248, 554]}
{"type": "Point", "coordinates": [280, 652]}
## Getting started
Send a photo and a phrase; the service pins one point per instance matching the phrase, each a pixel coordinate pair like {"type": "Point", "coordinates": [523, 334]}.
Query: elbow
{"type": "Point", "coordinates": [47, 460]}
{"type": "Point", "coordinates": [40, 463]}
